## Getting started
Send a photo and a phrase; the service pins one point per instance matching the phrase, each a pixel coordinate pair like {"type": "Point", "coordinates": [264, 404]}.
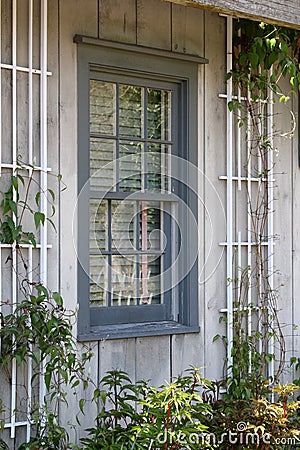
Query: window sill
{"type": "Point", "coordinates": [136, 330]}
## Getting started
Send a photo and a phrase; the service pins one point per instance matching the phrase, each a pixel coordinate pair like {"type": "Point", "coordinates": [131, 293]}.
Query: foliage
{"type": "Point", "coordinates": [38, 328]}
{"type": "Point", "coordinates": [257, 423]}
{"type": "Point", "coordinates": [263, 54]}
{"type": "Point", "coordinates": [137, 416]}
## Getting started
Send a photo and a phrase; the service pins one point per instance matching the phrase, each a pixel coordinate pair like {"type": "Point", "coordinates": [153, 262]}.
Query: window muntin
{"type": "Point", "coordinates": [171, 71]}
{"type": "Point", "coordinates": [130, 148]}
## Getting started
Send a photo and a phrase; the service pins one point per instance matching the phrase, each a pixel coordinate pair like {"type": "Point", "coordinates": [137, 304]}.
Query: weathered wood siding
{"type": "Point", "coordinates": [163, 25]}
{"type": "Point", "coordinates": [286, 12]}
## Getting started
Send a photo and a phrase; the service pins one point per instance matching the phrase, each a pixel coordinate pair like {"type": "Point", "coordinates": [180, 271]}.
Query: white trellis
{"type": "Point", "coordinates": [33, 36]}
{"type": "Point", "coordinates": [236, 182]}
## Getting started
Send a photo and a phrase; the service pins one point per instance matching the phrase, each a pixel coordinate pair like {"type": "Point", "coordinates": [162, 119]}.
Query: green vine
{"type": "Point", "coordinates": [38, 328]}
{"type": "Point", "coordinates": [264, 54]}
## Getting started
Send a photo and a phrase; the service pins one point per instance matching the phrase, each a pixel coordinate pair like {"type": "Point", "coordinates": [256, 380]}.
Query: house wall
{"type": "Point", "coordinates": [171, 27]}
{"type": "Point", "coordinates": [167, 26]}
{"type": "Point", "coordinates": [175, 28]}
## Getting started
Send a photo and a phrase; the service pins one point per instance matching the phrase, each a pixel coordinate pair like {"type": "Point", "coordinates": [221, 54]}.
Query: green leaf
{"type": "Point", "coordinates": [231, 106]}
{"type": "Point", "coordinates": [57, 298]}
{"type": "Point", "coordinates": [14, 182]}
{"type": "Point", "coordinates": [39, 218]}
{"type": "Point", "coordinates": [81, 405]}
{"type": "Point", "coordinates": [47, 379]}
{"type": "Point", "coordinates": [52, 194]}
{"type": "Point", "coordinates": [254, 59]}
{"type": "Point", "coordinates": [37, 198]}
{"type": "Point", "coordinates": [13, 207]}
{"type": "Point", "coordinates": [21, 179]}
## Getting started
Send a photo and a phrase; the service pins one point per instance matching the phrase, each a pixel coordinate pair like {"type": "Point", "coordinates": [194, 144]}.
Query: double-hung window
{"type": "Point", "coordinates": [137, 199]}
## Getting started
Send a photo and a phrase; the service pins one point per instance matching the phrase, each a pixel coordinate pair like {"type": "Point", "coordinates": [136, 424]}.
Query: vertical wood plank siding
{"type": "Point", "coordinates": [163, 25]}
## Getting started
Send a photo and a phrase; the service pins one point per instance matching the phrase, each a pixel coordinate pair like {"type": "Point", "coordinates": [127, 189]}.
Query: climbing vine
{"type": "Point", "coordinates": [37, 329]}
{"type": "Point", "coordinates": [265, 70]}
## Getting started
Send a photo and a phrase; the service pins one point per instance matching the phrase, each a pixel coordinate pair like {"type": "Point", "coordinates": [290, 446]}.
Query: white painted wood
{"type": "Point", "coordinates": [270, 130]}
{"type": "Point", "coordinates": [229, 203]}
{"type": "Point", "coordinates": [30, 84]}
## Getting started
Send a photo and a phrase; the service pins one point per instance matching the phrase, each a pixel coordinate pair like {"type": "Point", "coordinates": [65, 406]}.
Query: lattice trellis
{"type": "Point", "coordinates": [23, 115]}
{"type": "Point", "coordinates": [243, 184]}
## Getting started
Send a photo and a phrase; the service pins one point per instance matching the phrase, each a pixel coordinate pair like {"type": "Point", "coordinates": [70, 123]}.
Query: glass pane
{"type": "Point", "coordinates": [149, 226]}
{"type": "Point", "coordinates": [150, 284]}
{"type": "Point", "coordinates": [130, 111]}
{"type": "Point", "coordinates": [159, 114]}
{"type": "Point", "coordinates": [158, 159]}
{"type": "Point", "coordinates": [123, 283]}
{"type": "Point", "coordinates": [98, 280]}
{"type": "Point", "coordinates": [123, 226]}
{"type": "Point", "coordinates": [98, 225]}
{"type": "Point", "coordinates": [102, 164]}
{"type": "Point", "coordinates": [102, 107]}
{"type": "Point", "coordinates": [130, 167]}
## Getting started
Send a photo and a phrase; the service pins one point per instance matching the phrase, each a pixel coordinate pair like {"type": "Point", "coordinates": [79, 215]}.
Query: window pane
{"type": "Point", "coordinates": [150, 285]}
{"type": "Point", "coordinates": [123, 226]}
{"type": "Point", "coordinates": [98, 225]}
{"type": "Point", "coordinates": [159, 114]}
{"type": "Point", "coordinates": [102, 164]}
{"type": "Point", "coordinates": [102, 107]}
{"type": "Point", "coordinates": [158, 171]}
{"type": "Point", "coordinates": [123, 283]}
{"type": "Point", "coordinates": [130, 111]}
{"type": "Point", "coordinates": [149, 226]}
{"type": "Point", "coordinates": [130, 178]}
{"type": "Point", "coordinates": [98, 280]}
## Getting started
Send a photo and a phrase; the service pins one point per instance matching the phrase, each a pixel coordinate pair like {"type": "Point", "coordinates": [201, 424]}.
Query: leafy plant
{"type": "Point", "coordinates": [263, 55]}
{"type": "Point", "coordinates": [137, 416]}
{"type": "Point", "coordinates": [38, 328]}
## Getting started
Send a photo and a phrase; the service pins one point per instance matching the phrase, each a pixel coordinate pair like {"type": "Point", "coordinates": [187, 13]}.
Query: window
{"type": "Point", "coordinates": [137, 207]}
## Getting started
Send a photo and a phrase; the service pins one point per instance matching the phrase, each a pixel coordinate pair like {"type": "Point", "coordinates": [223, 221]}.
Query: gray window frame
{"type": "Point", "coordinates": [169, 67]}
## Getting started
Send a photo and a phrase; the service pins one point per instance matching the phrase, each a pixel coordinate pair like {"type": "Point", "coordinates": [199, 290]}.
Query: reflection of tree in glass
{"type": "Point", "coordinates": [158, 105]}
{"type": "Point", "coordinates": [130, 111]}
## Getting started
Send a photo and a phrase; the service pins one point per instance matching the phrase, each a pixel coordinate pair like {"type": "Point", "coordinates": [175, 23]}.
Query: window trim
{"type": "Point", "coordinates": [148, 63]}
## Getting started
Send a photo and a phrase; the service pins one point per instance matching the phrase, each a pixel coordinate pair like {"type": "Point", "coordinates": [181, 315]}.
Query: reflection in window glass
{"type": "Point", "coordinates": [102, 107]}
{"type": "Point", "coordinates": [102, 164]}
{"type": "Point", "coordinates": [130, 167]}
{"type": "Point", "coordinates": [130, 111]}
{"type": "Point", "coordinates": [130, 145]}
{"type": "Point", "coordinates": [158, 114]}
